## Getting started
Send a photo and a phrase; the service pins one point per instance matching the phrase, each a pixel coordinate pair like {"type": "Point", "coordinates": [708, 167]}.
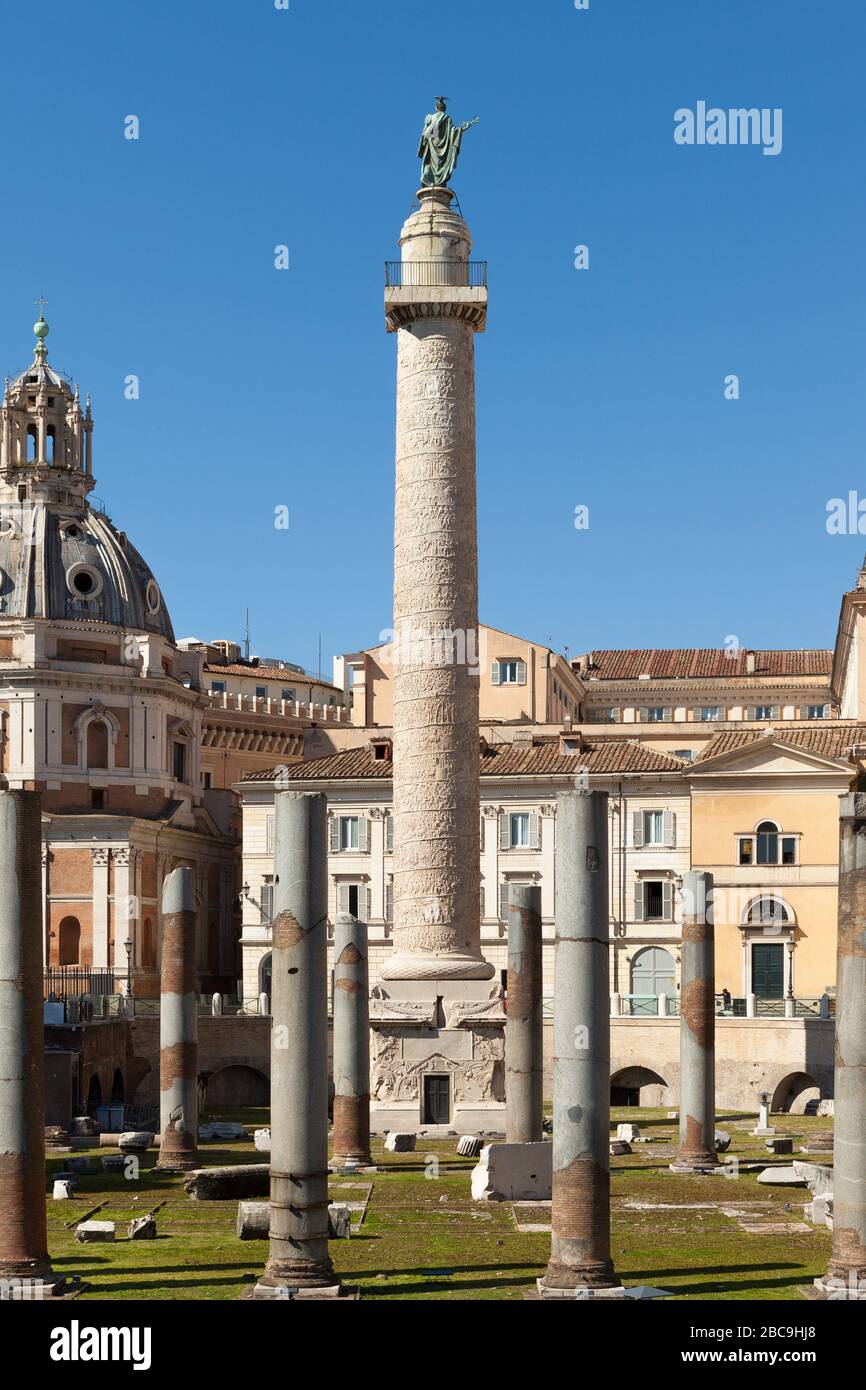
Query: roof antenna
{"type": "Point", "coordinates": [247, 638]}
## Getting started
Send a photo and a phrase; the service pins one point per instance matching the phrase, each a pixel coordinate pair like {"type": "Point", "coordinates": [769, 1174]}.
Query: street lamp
{"type": "Point", "coordinates": [127, 946]}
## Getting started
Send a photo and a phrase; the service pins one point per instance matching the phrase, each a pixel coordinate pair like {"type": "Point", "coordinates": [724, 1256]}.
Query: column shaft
{"type": "Point", "coordinates": [351, 1042]}
{"type": "Point", "coordinates": [178, 1025]}
{"type": "Point", "coordinates": [524, 1030]}
{"type": "Point", "coordinates": [23, 1239]}
{"type": "Point", "coordinates": [697, 1147]}
{"type": "Point", "coordinates": [299, 1047]}
{"type": "Point", "coordinates": [580, 1240]}
{"type": "Point", "coordinates": [848, 1259]}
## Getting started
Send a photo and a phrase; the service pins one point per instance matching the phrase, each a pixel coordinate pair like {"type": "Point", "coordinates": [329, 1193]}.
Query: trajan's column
{"type": "Point", "coordinates": [437, 1054]}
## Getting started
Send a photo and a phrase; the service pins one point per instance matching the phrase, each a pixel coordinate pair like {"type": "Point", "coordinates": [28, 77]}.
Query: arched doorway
{"type": "Point", "coordinates": [117, 1088]}
{"type": "Point", "coordinates": [94, 1094]}
{"type": "Point", "coordinates": [638, 1086]}
{"type": "Point", "coordinates": [653, 972]}
{"type": "Point", "coordinates": [797, 1094]}
{"type": "Point", "coordinates": [238, 1085]}
{"type": "Point", "coordinates": [265, 974]}
{"type": "Point", "coordinates": [69, 941]}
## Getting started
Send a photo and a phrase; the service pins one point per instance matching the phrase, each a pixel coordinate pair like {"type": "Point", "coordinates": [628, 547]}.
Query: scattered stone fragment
{"type": "Point", "coordinates": [400, 1143]}
{"type": "Point", "coordinates": [221, 1184]}
{"type": "Point", "coordinates": [818, 1177]}
{"type": "Point", "coordinates": [513, 1172]}
{"type": "Point", "coordinates": [785, 1175]}
{"type": "Point", "coordinates": [64, 1188]}
{"type": "Point", "coordinates": [469, 1145]}
{"type": "Point", "coordinates": [134, 1141]}
{"type": "Point", "coordinates": [114, 1163]}
{"type": "Point", "coordinates": [142, 1228]}
{"type": "Point", "coordinates": [254, 1219]}
{"type": "Point", "coordinates": [631, 1133]}
{"type": "Point", "coordinates": [780, 1146]}
{"type": "Point", "coordinates": [722, 1141]}
{"type": "Point", "coordinates": [262, 1140]}
{"type": "Point", "coordinates": [90, 1232]}
{"type": "Point", "coordinates": [619, 1146]}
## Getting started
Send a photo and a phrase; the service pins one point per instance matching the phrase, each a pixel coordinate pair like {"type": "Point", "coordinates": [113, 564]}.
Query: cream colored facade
{"type": "Point", "coordinates": [649, 852]}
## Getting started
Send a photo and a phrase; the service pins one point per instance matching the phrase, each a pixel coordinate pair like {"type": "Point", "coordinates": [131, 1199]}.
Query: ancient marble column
{"type": "Point", "coordinates": [298, 1256]}
{"type": "Point", "coordinates": [697, 1147]}
{"type": "Point", "coordinates": [580, 1220]}
{"type": "Point", "coordinates": [435, 648]}
{"type": "Point", "coordinates": [178, 1025]}
{"type": "Point", "coordinates": [846, 1272]}
{"type": "Point", "coordinates": [524, 1030]}
{"type": "Point", "coordinates": [449, 1069]}
{"type": "Point", "coordinates": [23, 1239]}
{"type": "Point", "coordinates": [351, 1010]}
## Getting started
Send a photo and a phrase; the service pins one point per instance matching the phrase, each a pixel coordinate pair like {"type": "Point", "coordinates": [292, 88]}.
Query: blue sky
{"type": "Point", "coordinates": [263, 388]}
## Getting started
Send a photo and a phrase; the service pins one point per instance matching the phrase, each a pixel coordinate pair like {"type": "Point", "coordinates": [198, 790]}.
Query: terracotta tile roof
{"type": "Point", "coordinates": [829, 741]}
{"type": "Point", "coordinates": [268, 673]}
{"type": "Point", "coordinates": [704, 663]}
{"type": "Point", "coordinates": [503, 760]}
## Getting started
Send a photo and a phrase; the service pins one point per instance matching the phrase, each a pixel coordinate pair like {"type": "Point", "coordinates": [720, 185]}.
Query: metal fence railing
{"type": "Point", "coordinates": [61, 982]}
{"type": "Point", "coordinates": [435, 274]}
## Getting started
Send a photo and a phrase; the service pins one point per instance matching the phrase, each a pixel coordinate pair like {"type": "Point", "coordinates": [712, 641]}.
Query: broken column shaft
{"type": "Point", "coordinates": [178, 1025]}
{"type": "Point", "coordinates": [697, 1147]}
{"type": "Point", "coordinates": [846, 1272]}
{"type": "Point", "coordinates": [351, 1042]}
{"type": "Point", "coordinates": [524, 1031]}
{"type": "Point", "coordinates": [23, 1239]}
{"type": "Point", "coordinates": [580, 1239]}
{"type": "Point", "coordinates": [299, 1049]}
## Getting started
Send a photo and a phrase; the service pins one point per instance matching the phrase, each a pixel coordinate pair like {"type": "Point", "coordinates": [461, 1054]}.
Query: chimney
{"type": "Point", "coordinates": [750, 663]}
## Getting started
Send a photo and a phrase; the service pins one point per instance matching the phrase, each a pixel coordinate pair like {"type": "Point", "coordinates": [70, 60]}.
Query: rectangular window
{"type": "Point", "coordinates": [261, 692]}
{"type": "Point", "coordinates": [349, 833]}
{"type": "Point", "coordinates": [789, 849]}
{"type": "Point", "coordinates": [817, 711]}
{"type": "Point", "coordinates": [218, 687]}
{"type": "Point", "coordinates": [608, 715]}
{"type": "Point", "coordinates": [206, 781]}
{"type": "Point", "coordinates": [653, 827]}
{"type": "Point", "coordinates": [355, 899]}
{"type": "Point", "coordinates": [747, 851]}
{"type": "Point", "coordinates": [768, 847]}
{"type": "Point", "coordinates": [180, 762]}
{"type": "Point", "coordinates": [653, 901]}
{"type": "Point", "coordinates": [710, 714]}
{"type": "Point", "coordinates": [508, 673]}
{"type": "Point", "coordinates": [267, 902]}
{"type": "Point", "coordinates": [655, 714]}
{"type": "Point", "coordinates": [289, 694]}
{"type": "Point", "coordinates": [763, 712]}
{"type": "Point", "coordinates": [520, 830]}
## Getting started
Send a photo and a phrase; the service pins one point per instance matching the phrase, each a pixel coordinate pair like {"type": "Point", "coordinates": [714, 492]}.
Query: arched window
{"type": "Point", "coordinates": [265, 973]}
{"type": "Point", "coordinates": [32, 444]}
{"type": "Point", "coordinates": [767, 911]}
{"type": "Point", "coordinates": [768, 842]}
{"type": "Point", "coordinates": [117, 1088]}
{"type": "Point", "coordinates": [50, 444]}
{"type": "Point", "coordinates": [96, 754]}
{"type": "Point", "coordinates": [148, 945]}
{"type": "Point", "coordinates": [70, 941]}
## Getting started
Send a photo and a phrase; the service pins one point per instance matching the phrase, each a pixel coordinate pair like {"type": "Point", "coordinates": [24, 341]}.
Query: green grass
{"type": "Point", "coordinates": [423, 1237]}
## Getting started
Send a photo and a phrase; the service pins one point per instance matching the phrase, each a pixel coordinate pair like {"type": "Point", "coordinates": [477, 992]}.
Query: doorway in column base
{"type": "Point", "coordinates": [797, 1094]}
{"type": "Point", "coordinates": [639, 1086]}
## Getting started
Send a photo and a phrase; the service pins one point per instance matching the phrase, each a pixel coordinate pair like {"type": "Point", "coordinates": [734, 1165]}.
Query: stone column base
{"type": "Point", "coordinates": [581, 1293]}
{"type": "Point", "coordinates": [450, 1031]}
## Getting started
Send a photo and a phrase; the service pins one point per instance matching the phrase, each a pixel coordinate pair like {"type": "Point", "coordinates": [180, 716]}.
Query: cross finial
{"type": "Point", "coordinates": [40, 303]}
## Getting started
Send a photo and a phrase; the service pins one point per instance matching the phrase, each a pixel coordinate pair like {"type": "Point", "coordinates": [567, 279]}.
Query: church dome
{"type": "Point", "coordinates": [60, 558]}
{"type": "Point", "coordinates": [67, 565]}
